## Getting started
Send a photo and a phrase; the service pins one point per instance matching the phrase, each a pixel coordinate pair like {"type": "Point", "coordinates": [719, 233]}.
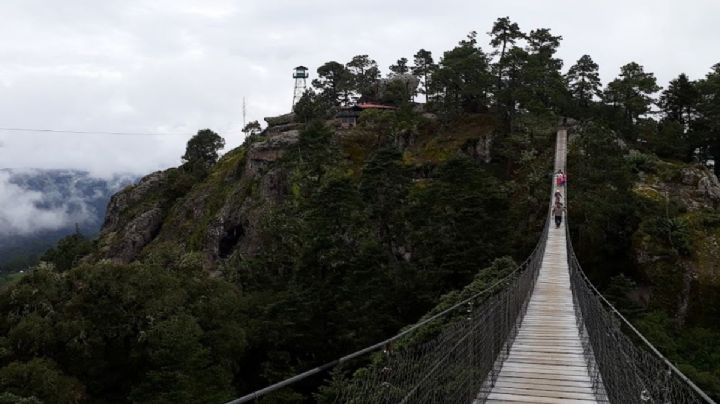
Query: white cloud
{"type": "Point", "coordinates": [33, 201]}
{"type": "Point", "coordinates": [176, 66]}
{"type": "Point", "coordinates": [20, 214]}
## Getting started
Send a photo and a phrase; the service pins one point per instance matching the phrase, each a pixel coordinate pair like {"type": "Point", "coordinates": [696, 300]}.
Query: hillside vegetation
{"type": "Point", "coordinates": [309, 241]}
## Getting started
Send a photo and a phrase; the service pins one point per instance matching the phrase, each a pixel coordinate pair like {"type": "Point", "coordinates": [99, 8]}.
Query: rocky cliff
{"type": "Point", "coordinates": [677, 243]}
{"type": "Point", "coordinates": [221, 215]}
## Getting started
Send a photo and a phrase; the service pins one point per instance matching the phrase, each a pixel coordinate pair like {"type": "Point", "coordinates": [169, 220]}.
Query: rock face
{"type": "Point", "coordinates": [236, 226]}
{"type": "Point", "coordinates": [274, 121]}
{"type": "Point", "coordinates": [262, 153]}
{"type": "Point", "coordinates": [696, 187]}
{"type": "Point", "coordinates": [482, 148]}
{"type": "Point", "coordinates": [679, 252]}
{"type": "Point", "coordinates": [479, 148]}
{"type": "Point", "coordinates": [129, 196]}
{"type": "Point", "coordinates": [137, 234]}
{"type": "Point", "coordinates": [689, 176]}
{"type": "Point", "coordinates": [217, 216]}
{"type": "Point", "coordinates": [709, 186]}
{"type": "Point", "coordinates": [125, 234]}
{"type": "Point", "coordinates": [220, 218]}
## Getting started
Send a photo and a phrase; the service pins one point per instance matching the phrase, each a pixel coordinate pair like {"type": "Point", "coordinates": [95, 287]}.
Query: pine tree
{"type": "Point", "coordinates": [424, 67]}
{"type": "Point", "coordinates": [364, 73]}
{"type": "Point", "coordinates": [504, 32]}
{"type": "Point", "coordinates": [679, 101]}
{"type": "Point", "coordinates": [632, 91]}
{"type": "Point", "coordinates": [542, 77]}
{"type": "Point", "coordinates": [334, 83]}
{"type": "Point", "coordinates": [503, 36]}
{"type": "Point", "coordinates": [708, 122]}
{"type": "Point", "coordinates": [400, 67]}
{"type": "Point", "coordinates": [463, 79]}
{"type": "Point", "coordinates": [584, 80]}
{"type": "Point", "coordinates": [202, 151]}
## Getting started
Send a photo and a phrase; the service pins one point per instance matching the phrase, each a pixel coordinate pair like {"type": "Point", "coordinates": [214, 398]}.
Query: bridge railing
{"type": "Point", "coordinates": [623, 364]}
{"type": "Point", "coordinates": [447, 357]}
{"type": "Point", "coordinates": [462, 359]}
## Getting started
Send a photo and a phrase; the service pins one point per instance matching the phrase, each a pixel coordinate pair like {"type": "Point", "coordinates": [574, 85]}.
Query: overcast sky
{"type": "Point", "coordinates": [176, 66]}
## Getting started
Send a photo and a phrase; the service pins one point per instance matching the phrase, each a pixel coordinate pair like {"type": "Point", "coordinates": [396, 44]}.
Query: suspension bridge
{"type": "Point", "coordinates": [542, 334]}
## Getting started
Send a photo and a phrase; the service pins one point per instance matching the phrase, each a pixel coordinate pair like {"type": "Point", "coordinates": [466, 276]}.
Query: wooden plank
{"type": "Point", "coordinates": [510, 373]}
{"type": "Point", "coordinates": [556, 393]}
{"type": "Point", "coordinates": [560, 356]}
{"type": "Point", "coordinates": [545, 369]}
{"type": "Point", "coordinates": [506, 384]}
{"type": "Point", "coordinates": [546, 381]}
{"type": "Point", "coordinates": [534, 399]}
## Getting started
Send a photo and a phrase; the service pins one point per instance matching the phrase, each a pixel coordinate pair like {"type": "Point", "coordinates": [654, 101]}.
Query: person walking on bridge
{"type": "Point", "coordinates": [560, 178]}
{"type": "Point", "coordinates": [557, 212]}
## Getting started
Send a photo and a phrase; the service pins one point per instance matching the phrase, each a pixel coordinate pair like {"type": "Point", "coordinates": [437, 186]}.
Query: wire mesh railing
{"type": "Point", "coordinates": [462, 361]}
{"type": "Point", "coordinates": [623, 365]}
{"type": "Point", "coordinates": [445, 358]}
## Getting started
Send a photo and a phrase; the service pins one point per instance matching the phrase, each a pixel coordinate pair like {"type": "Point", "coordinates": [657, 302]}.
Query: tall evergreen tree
{"type": "Point", "coordinates": [709, 107]}
{"type": "Point", "coordinates": [463, 79]}
{"type": "Point", "coordinates": [542, 75]}
{"type": "Point", "coordinates": [632, 91]}
{"type": "Point", "coordinates": [334, 83]}
{"type": "Point", "coordinates": [503, 36]}
{"type": "Point", "coordinates": [680, 100]}
{"type": "Point", "coordinates": [504, 32]}
{"type": "Point", "coordinates": [424, 67]}
{"type": "Point", "coordinates": [312, 106]}
{"type": "Point", "coordinates": [363, 72]}
{"type": "Point", "coordinates": [584, 80]}
{"type": "Point", "coordinates": [400, 67]}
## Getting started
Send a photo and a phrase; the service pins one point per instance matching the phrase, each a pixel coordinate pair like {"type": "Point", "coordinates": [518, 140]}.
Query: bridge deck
{"type": "Point", "coordinates": [546, 362]}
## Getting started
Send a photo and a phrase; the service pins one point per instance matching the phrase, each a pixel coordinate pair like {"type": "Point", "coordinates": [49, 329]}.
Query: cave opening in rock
{"type": "Point", "coordinates": [230, 240]}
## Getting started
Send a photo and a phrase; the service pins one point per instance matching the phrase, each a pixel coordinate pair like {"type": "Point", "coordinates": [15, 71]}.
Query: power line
{"type": "Point", "coordinates": [82, 132]}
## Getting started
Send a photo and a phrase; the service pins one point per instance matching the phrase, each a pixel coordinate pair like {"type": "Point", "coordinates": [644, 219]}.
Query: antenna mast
{"type": "Point", "coordinates": [244, 113]}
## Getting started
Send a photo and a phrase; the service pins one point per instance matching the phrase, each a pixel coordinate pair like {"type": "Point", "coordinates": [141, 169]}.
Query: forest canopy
{"type": "Point", "coordinates": [301, 246]}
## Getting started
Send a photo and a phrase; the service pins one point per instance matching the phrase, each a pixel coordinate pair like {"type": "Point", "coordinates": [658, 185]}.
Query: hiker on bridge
{"type": "Point", "coordinates": [558, 197]}
{"type": "Point", "coordinates": [557, 212]}
{"type": "Point", "coordinates": [560, 178]}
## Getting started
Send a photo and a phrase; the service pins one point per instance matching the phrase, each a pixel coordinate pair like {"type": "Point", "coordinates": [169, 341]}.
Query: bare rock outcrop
{"type": "Point", "coordinates": [134, 217]}
{"type": "Point", "coordinates": [137, 234]}
{"type": "Point", "coordinates": [479, 148]}
{"type": "Point", "coordinates": [131, 196]}
{"type": "Point", "coordinates": [281, 119]}
{"type": "Point", "coordinates": [709, 186]}
{"type": "Point", "coordinates": [261, 154]}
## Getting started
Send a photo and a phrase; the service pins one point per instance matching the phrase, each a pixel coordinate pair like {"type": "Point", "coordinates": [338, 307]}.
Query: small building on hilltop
{"type": "Point", "coordinates": [348, 116]}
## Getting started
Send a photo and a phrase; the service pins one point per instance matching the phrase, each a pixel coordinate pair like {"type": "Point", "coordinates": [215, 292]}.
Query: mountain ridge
{"type": "Point", "coordinates": [47, 205]}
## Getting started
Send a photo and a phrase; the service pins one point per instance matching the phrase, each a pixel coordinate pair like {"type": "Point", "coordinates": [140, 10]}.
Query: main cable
{"type": "Point", "coordinates": [82, 132]}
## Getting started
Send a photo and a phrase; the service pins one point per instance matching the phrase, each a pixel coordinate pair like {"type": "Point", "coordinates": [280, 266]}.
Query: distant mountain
{"type": "Point", "coordinates": [39, 207]}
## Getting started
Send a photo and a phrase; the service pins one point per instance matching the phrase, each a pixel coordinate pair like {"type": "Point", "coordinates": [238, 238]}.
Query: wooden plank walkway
{"type": "Point", "coordinates": [546, 362]}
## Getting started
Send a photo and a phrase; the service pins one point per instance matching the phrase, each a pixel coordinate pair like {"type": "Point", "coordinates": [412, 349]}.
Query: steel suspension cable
{"type": "Point", "coordinates": [626, 372]}
{"type": "Point", "coordinates": [444, 313]}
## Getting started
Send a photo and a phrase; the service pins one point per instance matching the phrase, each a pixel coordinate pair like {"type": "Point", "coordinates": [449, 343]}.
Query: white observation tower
{"type": "Point", "coordinates": [300, 74]}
